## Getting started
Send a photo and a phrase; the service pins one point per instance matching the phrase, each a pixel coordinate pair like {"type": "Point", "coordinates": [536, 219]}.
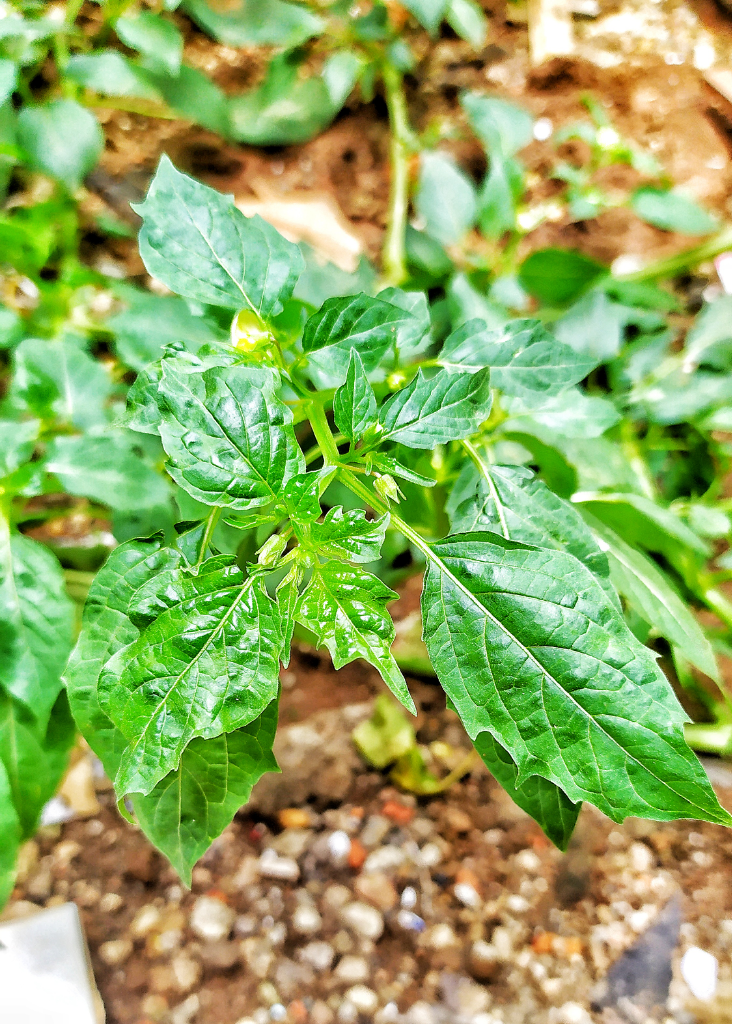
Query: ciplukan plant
{"type": "Point", "coordinates": [174, 680]}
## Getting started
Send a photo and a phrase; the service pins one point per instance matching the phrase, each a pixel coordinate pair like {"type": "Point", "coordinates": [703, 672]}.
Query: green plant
{"type": "Point", "coordinates": [174, 679]}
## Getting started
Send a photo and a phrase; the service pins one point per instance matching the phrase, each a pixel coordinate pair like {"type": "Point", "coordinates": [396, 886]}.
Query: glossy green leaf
{"type": "Point", "coordinates": [287, 108]}
{"type": "Point", "coordinates": [504, 128]}
{"type": "Point", "coordinates": [354, 403]}
{"type": "Point", "coordinates": [525, 359]}
{"type": "Point", "coordinates": [671, 211]}
{"type": "Point", "coordinates": [513, 502]}
{"type": "Point", "coordinates": [349, 535]}
{"type": "Point", "coordinates": [58, 380]}
{"type": "Point", "coordinates": [255, 22]}
{"type": "Point", "coordinates": [192, 805]}
{"type": "Point", "coordinates": [446, 198]}
{"type": "Point", "coordinates": [466, 19]}
{"type": "Point", "coordinates": [151, 322]}
{"type": "Point", "coordinates": [229, 439]}
{"type": "Point", "coordinates": [109, 73]}
{"type": "Point", "coordinates": [107, 469]}
{"type": "Point", "coordinates": [650, 594]}
{"type": "Point", "coordinates": [546, 803]}
{"type": "Point", "coordinates": [429, 13]}
{"type": "Point", "coordinates": [529, 649]}
{"type": "Point", "coordinates": [36, 619]}
{"type": "Point", "coordinates": [345, 608]}
{"type": "Point", "coordinates": [288, 594]}
{"type": "Point", "coordinates": [557, 277]}
{"type": "Point", "coordinates": [206, 663]}
{"type": "Point", "coordinates": [10, 831]}
{"type": "Point", "coordinates": [34, 755]}
{"type": "Point", "coordinates": [194, 240]}
{"type": "Point", "coordinates": [159, 40]}
{"type": "Point", "coordinates": [61, 138]}
{"type": "Point", "coordinates": [434, 410]}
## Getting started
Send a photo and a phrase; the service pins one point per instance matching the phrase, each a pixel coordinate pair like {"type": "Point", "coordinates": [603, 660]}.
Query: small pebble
{"type": "Point", "coordinates": [110, 903]}
{"type": "Point", "coordinates": [271, 865]}
{"type": "Point", "coordinates": [352, 969]}
{"type": "Point", "coordinates": [144, 921]}
{"type": "Point", "coordinates": [306, 920]}
{"type": "Point", "coordinates": [277, 1011]}
{"type": "Point", "coordinates": [441, 936]}
{"type": "Point", "coordinates": [363, 919]}
{"type": "Point", "coordinates": [386, 858]}
{"type": "Point", "coordinates": [375, 830]}
{"type": "Point", "coordinates": [431, 855]}
{"type": "Point", "coordinates": [339, 845]}
{"type": "Point", "coordinates": [211, 919]}
{"type": "Point", "coordinates": [409, 897]}
{"type": "Point", "coordinates": [410, 921]}
{"type": "Point", "coordinates": [319, 955]}
{"type": "Point", "coordinates": [699, 971]}
{"type": "Point", "coordinates": [363, 998]}
{"type": "Point", "coordinates": [466, 895]}
{"type": "Point", "coordinates": [377, 889]}
{"type": "Point", "coordinates": [115, 952]}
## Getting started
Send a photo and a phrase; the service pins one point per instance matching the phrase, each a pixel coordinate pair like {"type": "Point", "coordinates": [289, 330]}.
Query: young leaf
{"type": "Point", "coordinates": [434, 410]}
{"type": "Point", "coordinates": [513, 502]}
{"type": "Point", "coordinates": [107, 469]}
{"type": "Point", "coordinates": [61, 138]}
{"type": "Point", "coordinates": [354, 403]}
{"type": "Point", "coordinates": [528, 648]}
{"type": "Point", "coordinates": [557, 277]}
{"type": "Point", "coordinates": [413, 335]}
{"type": "Point", "coordinates": [229, 438]}
{"type": "Point", "coordinates": [37, 618]}
{"type": "Point", "coordinates": [8, 83]}
{"type": "Point", "coordinates": [439, 177]}
{"type": "Point", "coordinates": [346, 609]}
{"type": "Point", "coordinates": [651, 595]}
{"type": "Point", "coordinates": [58, 379]}
{"type": "Point", "coordinates": [205, 663]}
{"type": "Point", "coordinates": [349, 535]}
{"type": "Point", "coordinates": [255, 22]}
{"type": "Point", "coordinates": [192, 805]}
{"type": "Point", "coordinates": [525, 359]}
{"type": "Point", "coordinates": [192, 95]}
{"type": "Point", "coordinates": [429, 13]}
{"type": "Point", "coordinates": [158, 40]}
{"type": "Point", "coordinates": [195, 241]}
{"type": "Point", "coordinates": [569, 414]}
{"type": "Point", "coordinates": [10, 831]}
{"type": "Point", "coordinates": [466, 19]}
{"type": "Point", "coordinates": [546, 803]}
{"type": "Point", "coordinates": [151, 322]}
{"type": "Point", "coordinates": [17, 441]}
{"type": "Point", "coordinates": [504, 128]}
{"type": "Point", "coordinates": [288, 594]}
{"type": "Point", "coordinates": [370, 326]}
{"type": "Point", "coordinates": [671, 211]}
{"type": "Point", "coordinates": [109, 73]}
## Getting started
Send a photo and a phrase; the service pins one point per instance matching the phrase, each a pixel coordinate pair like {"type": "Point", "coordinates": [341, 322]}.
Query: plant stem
{"type": "Point", "coordinates": [213, 518]}
{"type": "Point", "coordinates": [378, 505]}
{"type": "Point", "coordinates": [323, 433]}
{"type": "Point", "coordinates": [675, 265]}
{"type": "Point", "coordinates": [394, 254]}
{"type": "Point", "coordinates": [709, 739]}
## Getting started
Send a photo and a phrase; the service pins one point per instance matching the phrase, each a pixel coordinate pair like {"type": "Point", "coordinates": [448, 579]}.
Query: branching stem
{"type": "Point", "coordinates": [394, 254]}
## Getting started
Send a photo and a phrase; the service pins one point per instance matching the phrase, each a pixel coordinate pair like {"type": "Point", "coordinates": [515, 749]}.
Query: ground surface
{"type": "Point", "coordinates": [454, 908]}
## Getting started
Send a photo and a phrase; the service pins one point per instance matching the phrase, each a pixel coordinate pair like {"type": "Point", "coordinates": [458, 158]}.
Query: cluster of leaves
{"type": "Point", "coordinates": [175, 675]}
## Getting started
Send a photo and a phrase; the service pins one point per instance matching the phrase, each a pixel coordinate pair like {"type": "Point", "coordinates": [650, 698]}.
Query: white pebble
{"type": "Point", "coordinates": [641, 858]}
{"type": "Point", "coordinates": [352, 969]}
{"type": "Point", "coordinates": [306, 920]}
{"type": "Point", "coordinates": [467, 895]}
{"type": "Point", "coordinates": [318, 954]}
{"type": "Point", "coordinates": [211, 919]}
{"type": "Point", "coordinates": [277, 1011]}
{"type": "Point", "coordinates": [339, 845]}
{"type": "Point", "coordinates": [364, 999]}
{"type": "Point", "coordinates": [431, 855]}
{"type": "Point", "coordinates": [574, 1013]}
{"type": "Point", "coordinates": [699, 971]}
{"type": "Point", "coordinates": [527, 860]}
{"type": "Point", "coordinates": [409, 897]}
{"type": "Point", "coordinates": [516, 904]}
{"type": "Point", "coordinates": [385, 859]}
{"type": "Point", "coordinates": [363, 919]}
{"type": "Point", "coordinates": [543, 129]}
{"type": "Point", "coordinates": [270, 865]}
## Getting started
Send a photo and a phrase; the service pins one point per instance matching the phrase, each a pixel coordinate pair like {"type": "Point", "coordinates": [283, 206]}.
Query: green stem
{"type": "Point", "coordinates": [675, 265]}
{"type": "Point", "coordinates": [323, 433]}
{"type": "Point", "coordinates": [634, 455]}
{"type": "Point", "coordinates": [213, 518]}
{"type": "Point", "coordinates": [378, 505]}
{"type": "Point", "coordinates": [394, 254]}
{"type": "Point", "coordinates": [709, 739]}
{"type": "Point", "coordinates": [719, 604]}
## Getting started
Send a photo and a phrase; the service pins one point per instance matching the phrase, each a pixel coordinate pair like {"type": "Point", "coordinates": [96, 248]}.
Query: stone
{"type": "Point", "coordinates": [421, 1013]}
{"type": "Point", "coordinates": [258, 956]}
{"type": "Point", "coordinates": [245, 924]}
{"type": "Point", "coordinates": [374, 831]}
{"type": "Point", "coordinates": [146, 918]}
{"type": "Point", "coordinates": [294, 817]}
{"type": "Point", "coordinates": [211, 919]}
{"type": "Point", "coordinates": [293, 842]}
{"type": "Point", "coordinates": [457, 820]}
{"type": "Point", "coordinates": [306, 920]}
{"type": "Point", "coordinates": [115, 952]}
{"type": "Point", "coordinates": [110, 903]}
{"type": "Point", "coordinates": [386, 858]}
{"type": "Point", "coordinates": [641, 858]}
{"type": "Point", "coordinates": [431, 855]}
{"type": "Point", "coordinates": [271, 865]}
{"type": "Point", "coordinates": [699, 970]}
{"type": "Point", "coordinates": [319, 955]}
{"type": "Point", "coordinates": [220, 955]}
{"type": "Point", "coordinates": [291, 978]}
{"type": "Point", "coordinates": [482, 960]}
{"type": "Point", "coordinates": [336, 896]}
{"type": "Point", "coordinates": [154, 1006]}
{"type": "Point", "coordinates": [321, 1013]}
{"type": "Point", "coordinates": [377, 889]}
{"type": "Point", "coordinates": [441, 936]}
{"type": "Point", "coordinates": [363, 919]}
{"type": "Point", "coordinates": [572, 1013]}
{"type": "Point", "coordinates": [363, 998]}
{"type": "Point", "coordinates": [184, 1012]}
{"type": "Point", "coordinates": [186, 972]}
{"type": "Point", "coordinates": [352, 969]}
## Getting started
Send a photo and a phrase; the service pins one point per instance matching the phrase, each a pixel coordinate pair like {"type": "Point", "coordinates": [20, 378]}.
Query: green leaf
{"type": "Point", "coordinates": [255, 22]}
{"type": "Point", "coordinates": [709, 340]}
{"type": "Point", "coordinates": [192, 95]}
{"type": "Point", "coordinates": [504, 128]}
{"type": "Point", "coordinates": [468, 21]}
{"type": "Point", "coordinates": [108, 469]}
{"type": "Point", "coordinates": [151, 322]}
{"type": "Point", "coordinates": [529, 649]}
{"type": "Point", "coordinates": [593, 326]}
{"type": "Point", "coordinates": [37, 622]}
{"type": "Point", "coordinates": [287, 108]}
{"type": "Point", "coordinates": [229, 438]}
{"type": "Point", "coordinates": [499, 195]}
{"type": "Point", "coordinates": [106, 627]}
{"type": "Point", "coordinates": [570, 414]}
{"type": "Point", "coordinates": [525, 359]}
{"type": "Point", "coordinates": [11, 328]}
{"type": "Point", "coordinates": [192, 805]}
{"type": "Point", "coordinates": [650, 594]}
{"type": "Point", "coordinates": [17, 441]}
{"type": "Point", "coordinates": [206, 662]}
{"type": "Point", "coordinates": [195, 241]}
{"type": "Point", "coordinates": [385, 737]}
{"type": "Point", "coordinates": [349, 535]}
{"type": "Point", "coordinates": [445, 219]}
{"type": "Point", "coordinates": [109, 73]}
{"type": "Point", "coordinates": [557, 277]}
{"type": "Point", "coordinates": [346, 609]}
{"type": "Point", "coordinates": [58, 380]}
{"type": "Point", "coordinates": [354, 403]}
{"type": "Point", "coordinates": [466, 302]}
{"type": "Point", "coordinates": [61, 138]}
{"type": "Point", "coordinates": [513, 502]}
{"type": "Point", "coordinates": [429, 13]}
{"type": "Point", "coordinates": [8, 83]}
{"type": "Point", "coordinates": [159, 40]}
{"type": "Point", "coordinates": [434, 410]}
{"type": "Point", "coordinates": [34, 755]}
{"type": "Point", "coordinates": [288, 594]}
{"type": "Point", "coordinates": [370, 326]}
{"type": "Point", "coordinates": [546, 803]}
{"type": "Point", "coordinates": [671, 211]}
{"type": "Point", "coordinates": [10, 831]}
